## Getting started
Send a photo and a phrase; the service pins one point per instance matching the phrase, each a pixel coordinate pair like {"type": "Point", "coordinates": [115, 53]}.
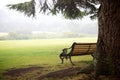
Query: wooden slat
{"type": "Point", "coordinates": [83, 48]}
{"type": "Point", "coordinates": [85, 43]}
{"type": "Point", "coordinates": [79, 52]}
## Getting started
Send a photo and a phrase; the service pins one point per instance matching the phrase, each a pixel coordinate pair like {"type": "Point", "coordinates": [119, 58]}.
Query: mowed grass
{"type": "Point", "coordinates": [22, 53]}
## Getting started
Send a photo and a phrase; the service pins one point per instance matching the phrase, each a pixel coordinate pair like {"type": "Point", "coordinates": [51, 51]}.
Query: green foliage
{"type": "Point", "coordinates": [72, 12]}
{"type": "Point", "coordinates": [71, 9]}
{"type": "Point", "coordinates": [28, 8]}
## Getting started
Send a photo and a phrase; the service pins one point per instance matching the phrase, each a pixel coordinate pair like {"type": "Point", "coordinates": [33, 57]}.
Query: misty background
{"type": "Point", "coordinates": [15, 25]}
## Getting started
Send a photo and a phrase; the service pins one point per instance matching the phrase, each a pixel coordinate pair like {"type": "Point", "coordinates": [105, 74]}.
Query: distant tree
{"type": "Point", "coordinates": [18, 35]}
{"type": "Point", "coordinates": [108, 44]}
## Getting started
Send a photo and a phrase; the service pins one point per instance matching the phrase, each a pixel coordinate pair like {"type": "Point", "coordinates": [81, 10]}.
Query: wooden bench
{"type": "Point", "coordinates": [78, 49]}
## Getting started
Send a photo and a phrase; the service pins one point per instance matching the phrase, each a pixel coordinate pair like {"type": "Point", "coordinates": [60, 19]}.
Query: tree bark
{"type": "Point", "coordinates": [108, 44]}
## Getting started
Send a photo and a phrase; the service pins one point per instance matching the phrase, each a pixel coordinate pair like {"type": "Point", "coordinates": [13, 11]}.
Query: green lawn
{"type": "Point", "coordinates": [21, 53]}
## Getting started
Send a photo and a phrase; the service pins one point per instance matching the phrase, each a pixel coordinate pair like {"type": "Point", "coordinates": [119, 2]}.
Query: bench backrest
{"type": "Point", "coordinates": [82, 49]}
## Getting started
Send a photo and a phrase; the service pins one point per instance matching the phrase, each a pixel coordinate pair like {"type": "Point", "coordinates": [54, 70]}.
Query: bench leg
{"type": "Point", "coordinates": [70, 60]}
{"type": "Point", "coordinates": [62, 60]}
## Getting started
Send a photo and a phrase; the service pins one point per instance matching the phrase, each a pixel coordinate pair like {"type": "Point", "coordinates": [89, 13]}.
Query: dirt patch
{"type": "Point", "coordinates": [20, 71]}
{"type": "Point", "coordinates": [61, 73]}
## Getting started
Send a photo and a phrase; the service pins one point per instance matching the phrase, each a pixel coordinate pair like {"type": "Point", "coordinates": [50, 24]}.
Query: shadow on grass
{"type": "Point", "coordinates": [40, 73]}
{"type": "Point", "coordinates": [61, 73]}
{"type": "Point", "coordinates": [87, 62]}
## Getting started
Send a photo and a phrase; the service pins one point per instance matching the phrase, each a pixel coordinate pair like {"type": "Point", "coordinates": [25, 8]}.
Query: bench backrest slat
{"type": "Point", "coordinates": [82, 48]}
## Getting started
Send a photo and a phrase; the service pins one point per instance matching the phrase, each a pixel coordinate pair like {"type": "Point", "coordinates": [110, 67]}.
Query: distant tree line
{"type": "Point", "coordinates": [43, 35]}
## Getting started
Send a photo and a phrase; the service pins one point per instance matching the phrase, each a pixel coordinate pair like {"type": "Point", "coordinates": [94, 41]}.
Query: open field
{"type": "Point", "coordinates": [43, 53]}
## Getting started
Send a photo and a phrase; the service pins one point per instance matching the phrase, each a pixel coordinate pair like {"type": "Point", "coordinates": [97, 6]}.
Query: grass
{"type": "Point", "coordinates": [22, 53]}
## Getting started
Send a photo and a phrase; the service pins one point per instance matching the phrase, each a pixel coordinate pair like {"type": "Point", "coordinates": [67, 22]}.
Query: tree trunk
{"type": "Point", "coordinates": [108, 46]}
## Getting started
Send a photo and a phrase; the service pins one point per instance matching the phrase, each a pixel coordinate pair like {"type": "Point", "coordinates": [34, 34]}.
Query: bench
{"type": "Point", "coordinates": [78, 49]}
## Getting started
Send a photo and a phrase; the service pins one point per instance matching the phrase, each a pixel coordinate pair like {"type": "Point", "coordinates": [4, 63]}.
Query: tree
{"type": "Point", "coordinates": [108, 45]}
{"type": "Point", "coordinates": [108, 50]}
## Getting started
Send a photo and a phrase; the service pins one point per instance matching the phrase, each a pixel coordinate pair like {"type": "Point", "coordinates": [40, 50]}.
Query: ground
{"type": "Point", "coordinates": [42, 73]}
{"type": "Point", "coordinates": [26, 60]}
{"type": "Point", "coordinates": [37, 72]}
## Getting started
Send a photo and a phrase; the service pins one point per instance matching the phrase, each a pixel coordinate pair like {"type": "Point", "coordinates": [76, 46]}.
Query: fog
{"type": "Point", "coordinates": [12, 21]}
